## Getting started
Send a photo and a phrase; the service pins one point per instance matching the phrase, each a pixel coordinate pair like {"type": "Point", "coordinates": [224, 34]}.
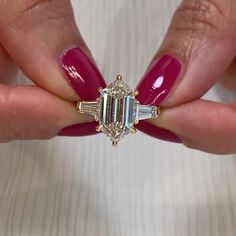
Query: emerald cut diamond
{"type": "Point", "coordinates": [117, 110]}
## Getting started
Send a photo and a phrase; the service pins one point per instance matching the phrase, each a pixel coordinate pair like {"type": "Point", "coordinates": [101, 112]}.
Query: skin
{"type": "Point", "coordinates": [201, 35]}
{"type": "Point", "coordinates": [32, 40]}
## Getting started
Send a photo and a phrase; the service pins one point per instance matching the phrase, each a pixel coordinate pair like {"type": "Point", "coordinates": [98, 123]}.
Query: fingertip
{"type": "Point", "coordinates": [201, 40]}
{"type": "Point", "coordinates": [159, 80]}
{"type": "Point", "coordinates": [37, 49]}
{"type": "Point", "coordinates": [28, 112]}
{"type": "Point", "coordinates": [81, 73]}
{"type": "Point", "coordinates": [156, 132]}
{"type": "Point", "coordinates": [202, 125]}
{"type": "Point", "coordinates": [79, 130]}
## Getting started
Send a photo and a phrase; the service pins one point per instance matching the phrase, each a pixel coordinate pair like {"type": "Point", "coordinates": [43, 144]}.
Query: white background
{"type": "Point", "coordinates": [145, 187]}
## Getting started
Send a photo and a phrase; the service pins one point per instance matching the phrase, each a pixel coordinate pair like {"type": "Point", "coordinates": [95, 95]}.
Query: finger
{"type": "Point", "coordinates": [197, 49]}
{"type": "Point", "coordinates": [36, 33]}
{"type": "Point", "coordinates": [32, 113]}
{"type": "Point", "coordinates": [202, 125]}
{"type": "Point", "coordinates": [228, 81]}
{"type": "Point", "coordinates": [8, 69]}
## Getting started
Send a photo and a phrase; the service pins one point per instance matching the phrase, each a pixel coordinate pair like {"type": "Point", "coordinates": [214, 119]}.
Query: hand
{"type": "Point", "coordinates": [199, 47]}
{"type": "Point", "coordinates": [39, 37]}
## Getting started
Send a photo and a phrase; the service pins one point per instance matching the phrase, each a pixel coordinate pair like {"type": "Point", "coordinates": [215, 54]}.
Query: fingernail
{"type": "Point", "coordinates": [157, 132]}
{"type": "Point", "coordinates": [82, 73]}
{"type": "Point", "coordinates": [84, 129]}
{"type": "Point", "coordinates": [84, 77]}
{"type": "Point", "coordinates": [154, 88]}
{"type": "Point", "coordinates": [159, 80]}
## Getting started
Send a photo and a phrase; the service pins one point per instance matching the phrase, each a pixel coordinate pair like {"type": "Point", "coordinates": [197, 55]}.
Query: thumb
{"type": "Point", "coordinates": [203, 125]}
{"type": "Point", "coordinates": [197, 49]}
{"type": "Point", "coordinates": [29, 112]}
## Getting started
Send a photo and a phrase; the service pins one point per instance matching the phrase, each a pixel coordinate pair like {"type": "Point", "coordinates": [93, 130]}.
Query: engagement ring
{"type": "Point", "coordinates": [117, 111]}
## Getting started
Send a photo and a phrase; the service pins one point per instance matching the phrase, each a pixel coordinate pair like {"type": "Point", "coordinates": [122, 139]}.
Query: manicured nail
{"type": "Point", "coordinates": [154, 88]}
{"type": "Point", "coordinates": [84, 77]}
{"type": "Point", "coordinates": [159, 80]}
{"type": "Point", "coordinates": [157, 132]}
{"type": "Point", "coordinates": [81, 73]}
{"type": "Point", "coordinates": [84, 129]}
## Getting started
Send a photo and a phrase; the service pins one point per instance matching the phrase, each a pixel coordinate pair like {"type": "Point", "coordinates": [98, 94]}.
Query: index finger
{"type": "Point", "coordinates": [197, 49]}
{"type": "Point", "coordinates": [37, 34]}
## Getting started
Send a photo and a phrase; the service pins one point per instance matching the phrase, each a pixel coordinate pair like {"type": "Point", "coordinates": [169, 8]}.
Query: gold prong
{"type": "Point", "coordinates": [100, 90]}
{"type": "Point", "coordinates": [119, 77]}
{"type": "Point", "coordinates": [136, 93]}
{"type": "Point", "coordinates": [96, 118]}
{"type": "Point", "coordinates": [134, 131]}
{"type": "Point", "coordinates": [98, 128]}
{"type": "Point", "coordinates": [158, 112]}
{"type": "Point", "coordinates": [136, 122]}
{"type": "Point", "coordinates": [114, 143]}
{"type": "Point", "coordinates": [78, 106]}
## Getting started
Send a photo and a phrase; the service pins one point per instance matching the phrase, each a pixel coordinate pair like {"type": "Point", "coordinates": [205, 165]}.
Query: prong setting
{"type": "Point", "coordinates": [98, 128]}
{"type": "Point", "coordinates": [133, 130]}
{"type": "Point", "coordinates": [119, 77]}
{"type": "Point", "coordinates": [114, 143]}
{"type": "Point", "coordinates": [100, 90]}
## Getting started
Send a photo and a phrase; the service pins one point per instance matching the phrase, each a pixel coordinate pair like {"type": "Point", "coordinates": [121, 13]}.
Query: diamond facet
{"type": "Point", "coordinates": [146, 112]}
{"type": "Point", "coordinates": [117, 110]}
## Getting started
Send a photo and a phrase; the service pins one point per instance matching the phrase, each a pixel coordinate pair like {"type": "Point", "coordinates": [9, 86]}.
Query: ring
{"type": "Point", "coordinates": [117, 111]}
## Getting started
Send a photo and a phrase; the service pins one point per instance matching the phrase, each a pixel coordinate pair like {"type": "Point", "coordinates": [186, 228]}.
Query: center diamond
{"type": "Point", "coordinates": [117, 113]}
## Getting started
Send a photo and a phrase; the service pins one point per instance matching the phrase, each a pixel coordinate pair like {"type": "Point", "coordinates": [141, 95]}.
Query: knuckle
{"type": "Point", "coordinates": [202, 16]}
{"type": "Point", "coordinates": [195, 23]}
{"type": "Point", "coordinates": [54, 8]}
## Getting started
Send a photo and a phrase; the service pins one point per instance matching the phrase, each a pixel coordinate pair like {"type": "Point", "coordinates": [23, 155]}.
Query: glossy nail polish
{"type": "Point", "coordinates": [84, 129]}
{"type": "Point", "coordinates": [81, 73]}
{"type": "Point", "coordinates": [159, 80]}
{"type": "Point", "coordinates": [154, 88]}
{"type": "Point", "coordinates": [84, 77]}
{"type": "Point", "coordinates": [157, 132]}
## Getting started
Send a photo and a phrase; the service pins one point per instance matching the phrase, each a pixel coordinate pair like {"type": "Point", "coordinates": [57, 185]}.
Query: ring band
{"type": "Point", "coordinates": [117, 110]}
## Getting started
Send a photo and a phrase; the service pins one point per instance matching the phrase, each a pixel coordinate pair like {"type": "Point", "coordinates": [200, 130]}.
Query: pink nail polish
{"type": "Point", "coordinates": [154, 88]}
{"type": "Point", "coordinates": [84, 77]}
{"type": "Point", "coordinates": [157, 132]}
{"type": "Point", "coordinates": [158, 80]}
{"type": "Point", "coordinates": [85, 129]}
{"type": "Point", "coordinates": [81, 73]}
